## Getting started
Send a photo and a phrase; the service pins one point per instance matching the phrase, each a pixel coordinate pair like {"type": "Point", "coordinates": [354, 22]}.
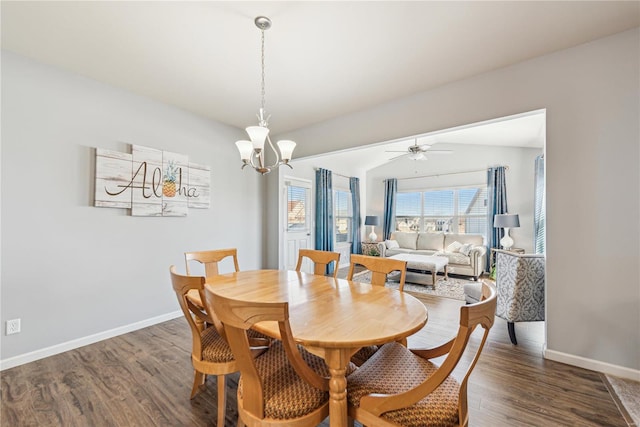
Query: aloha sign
{"type": "Point", "coordinates": [150, 182]}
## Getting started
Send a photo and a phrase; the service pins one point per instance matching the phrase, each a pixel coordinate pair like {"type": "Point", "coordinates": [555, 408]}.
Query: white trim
{"type": "Point", "coordinates": [593, 365]}
{"type": "Point", "coordinates": [302, 182]}
{"type": "Point", "coordinates": [81, 342]}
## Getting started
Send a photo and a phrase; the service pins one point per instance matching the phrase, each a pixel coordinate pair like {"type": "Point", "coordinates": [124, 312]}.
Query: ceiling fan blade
{"type": "Point", "coordinates": [397, 157]}
{"type": "Point", "coordinates": [395, 151]}
{"type": "Point", "coordinates": [424, 147]}
{"type": "Point", "coordinates": [440, 151]}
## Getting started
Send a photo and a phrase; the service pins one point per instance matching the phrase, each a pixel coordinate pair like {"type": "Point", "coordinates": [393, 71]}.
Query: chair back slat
{"type": "Point", "coordinates": [320, 259]}
{"type": "Point", "coordinates": [211, 259]}
{"type": "Point", "coordinates": [379, 268]}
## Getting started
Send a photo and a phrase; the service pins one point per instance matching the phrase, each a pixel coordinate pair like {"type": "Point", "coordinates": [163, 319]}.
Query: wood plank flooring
{"type": "Point", "coordinates": [144, 379]}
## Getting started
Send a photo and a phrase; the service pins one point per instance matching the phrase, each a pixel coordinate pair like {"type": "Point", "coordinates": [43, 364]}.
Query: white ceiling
{"type": "Point", "coordinates": [323, 59]}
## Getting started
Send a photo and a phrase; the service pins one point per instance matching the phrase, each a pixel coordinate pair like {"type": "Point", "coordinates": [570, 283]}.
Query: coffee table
{"type": "Point", "coordinates": [425, 263]}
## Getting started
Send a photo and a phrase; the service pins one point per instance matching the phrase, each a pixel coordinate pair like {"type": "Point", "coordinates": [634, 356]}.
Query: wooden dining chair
{"type": "Point", "coordinates": [401, 387]}
{"type": "Point", "coordinates": [379, 268]}
{"type": "Point", "coordinates": [320, 259]}
{"type": "Point", "coordinates": [286, 385]}
{"type": "Point", "coordinates": [210, 353]}
{"type": "Point", "coordinates": [210, 260]}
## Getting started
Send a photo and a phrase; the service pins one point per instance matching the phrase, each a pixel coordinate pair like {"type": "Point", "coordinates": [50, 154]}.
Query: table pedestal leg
{"type": "Point", "coordinates": [337, 360]}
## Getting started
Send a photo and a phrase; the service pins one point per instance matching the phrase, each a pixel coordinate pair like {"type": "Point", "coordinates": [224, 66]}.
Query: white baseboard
{"type": "Point", "coordinates": [593, 365]}
{"type": "Point", "coordinates": [81, 342]}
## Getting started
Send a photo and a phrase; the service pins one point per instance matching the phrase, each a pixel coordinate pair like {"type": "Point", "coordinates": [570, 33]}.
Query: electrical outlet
{"type": "Point", "coordinates": [13, 326]}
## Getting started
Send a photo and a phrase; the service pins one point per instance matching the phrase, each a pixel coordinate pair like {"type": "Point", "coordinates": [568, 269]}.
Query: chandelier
{"type": "Point", "coordinates": [252, 152]}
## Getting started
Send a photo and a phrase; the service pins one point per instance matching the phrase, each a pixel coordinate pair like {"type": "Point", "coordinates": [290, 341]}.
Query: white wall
{"type": "Point", "coordinates": [520, 178]}
{"type": "Point", "coordinates": [591, 93]}
{"type": "Point", "coordinates": [71, 270]}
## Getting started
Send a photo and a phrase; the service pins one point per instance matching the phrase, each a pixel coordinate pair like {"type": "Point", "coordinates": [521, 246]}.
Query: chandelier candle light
{"type": "Point", "coordinates": [506, 221]}
{"type": "Point", "coordinates": [252, 152]}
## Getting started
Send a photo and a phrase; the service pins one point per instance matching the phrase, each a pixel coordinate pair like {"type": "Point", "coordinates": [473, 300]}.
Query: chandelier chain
{"type": "Point", "coordinates": [262, 64]}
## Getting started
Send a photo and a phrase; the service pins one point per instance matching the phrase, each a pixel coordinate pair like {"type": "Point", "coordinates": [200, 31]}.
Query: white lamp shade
{"type": "Point", "coordinates": [286, 148]}
{"type": "Point", "coordinates": [257, 134]}
{"type": "Point", "coordinates": [416, 156]}
{"type": "Point", "coordinates": [245, 148]}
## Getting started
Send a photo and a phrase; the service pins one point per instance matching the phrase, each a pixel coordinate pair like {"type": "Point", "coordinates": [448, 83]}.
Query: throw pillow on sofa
{"type": "Point", "coordinates": [391, 244]}
{"type": "Point", "coordinates": [465, 249]}
{"type": "Point", "coordinates": [454, 247]}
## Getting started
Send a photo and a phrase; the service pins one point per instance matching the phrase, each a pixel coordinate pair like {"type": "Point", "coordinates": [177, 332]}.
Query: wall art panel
{"type": "Point", "coordinates": [151, 182]}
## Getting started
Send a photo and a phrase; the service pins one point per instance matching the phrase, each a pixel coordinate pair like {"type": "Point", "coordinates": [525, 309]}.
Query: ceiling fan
{"type": "Point", "coordinates": [417, 152]}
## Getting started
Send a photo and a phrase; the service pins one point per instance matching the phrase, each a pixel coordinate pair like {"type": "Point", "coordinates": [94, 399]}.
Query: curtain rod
{"type": "Point", "coordinates": [449, 173]}
{"type": "Point", "coordinates": [335, 173]}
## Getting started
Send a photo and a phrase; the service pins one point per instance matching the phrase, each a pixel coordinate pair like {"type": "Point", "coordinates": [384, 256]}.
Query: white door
{"type": "Point", "coordinates": [297, 222]}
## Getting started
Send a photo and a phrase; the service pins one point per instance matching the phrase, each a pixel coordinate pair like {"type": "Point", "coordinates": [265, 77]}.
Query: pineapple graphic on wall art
{"type": "Point", "coordinates": [169, 185]}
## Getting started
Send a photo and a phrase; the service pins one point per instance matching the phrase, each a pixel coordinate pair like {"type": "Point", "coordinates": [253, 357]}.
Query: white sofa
{"type": "Point", "coordinates": [468, 260]}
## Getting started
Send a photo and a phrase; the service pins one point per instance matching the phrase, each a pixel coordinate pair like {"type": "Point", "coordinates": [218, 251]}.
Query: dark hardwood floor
{"type": "Point", "coordinates": [144, 379]}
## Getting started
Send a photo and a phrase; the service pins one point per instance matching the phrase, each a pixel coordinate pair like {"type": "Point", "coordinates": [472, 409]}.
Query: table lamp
{"type": "Point", "coordinates": [372, 220]}
{"type": "Point", "coordinates": [506, 221]}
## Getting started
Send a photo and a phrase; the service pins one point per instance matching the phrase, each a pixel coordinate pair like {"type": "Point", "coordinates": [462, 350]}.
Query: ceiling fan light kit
{"type": "Point", "coordinates": [252, 151]}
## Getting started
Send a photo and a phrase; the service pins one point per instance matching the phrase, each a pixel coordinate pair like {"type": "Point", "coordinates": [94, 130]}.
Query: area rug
{"type": "Point", "coordinates": [628, 396]}
{"type": "Point", "coordinates": [451, 288]}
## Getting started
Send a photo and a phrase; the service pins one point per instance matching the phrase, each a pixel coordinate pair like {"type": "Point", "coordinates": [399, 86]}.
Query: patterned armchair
{"type": "Point", "coordinates": [520, 285]}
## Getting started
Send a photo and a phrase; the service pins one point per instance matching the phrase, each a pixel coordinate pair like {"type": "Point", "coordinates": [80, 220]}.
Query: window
{"type": "Point", "coordinates": [297, 208]}
{"type": "Point", "coordinates": [439, 210]}
{"type": "Point", "coordinates": [472, 210]}
{"type": "Point", "coordinates": [453, 210]}
{"type": "Point", "coordinates": [408, 211]}
{"type": "Point", "coordinates": [343, 215]}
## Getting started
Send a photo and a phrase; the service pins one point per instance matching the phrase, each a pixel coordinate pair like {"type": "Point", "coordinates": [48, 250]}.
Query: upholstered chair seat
{"type": "Point", "coordinates": [216, 349]}
{"type": "Point", "coordinates": [286, 395]}
{"type": "Point", "coordinates": [439, 408]}
{"type": "Point", "coordinates": [364, 354]}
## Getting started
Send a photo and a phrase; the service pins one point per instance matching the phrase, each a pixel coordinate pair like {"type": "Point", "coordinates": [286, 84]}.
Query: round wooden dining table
{"type": "Point", "coordinates": [332, 318]}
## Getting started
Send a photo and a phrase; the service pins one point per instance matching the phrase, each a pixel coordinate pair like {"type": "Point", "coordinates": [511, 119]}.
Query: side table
{"type": "Point", "coordinates": [370, 248]}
